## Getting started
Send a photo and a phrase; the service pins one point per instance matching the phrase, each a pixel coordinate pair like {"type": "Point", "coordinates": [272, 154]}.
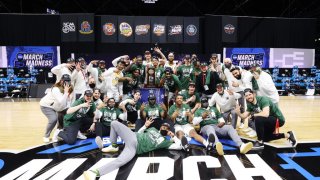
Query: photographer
{"type": "Point", "coordinates": [55, 101]}
{"type": "Point", "coordinates": [79, 117]}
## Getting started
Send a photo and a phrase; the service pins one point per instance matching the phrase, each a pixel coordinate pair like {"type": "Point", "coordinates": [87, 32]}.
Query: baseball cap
{"type": "Point", "coordinates": [102, 62]}
{"type": "Point", "coordinates": [70, 60]}
{"type": "Point", "coordinates": [147, 52]}
{"type": "Point", "coordinates": [203, 64]}
{"type": "Point", "coordinates": [204, 99]}
{"type": "Point", "coordinates": [151, 97]}
{"type": "Point", "coordinates": [88, 92]}
{"type": "Point", "coordinates": [192, 84]}
{"type": "Point", "coordinates": [66, 77]}
{"type": "Point", "coordinates": [214, 55]}
{"type": "Point", "coordinates": [219, 85]}
{"type": "Point", "coordinates": [166, 124]}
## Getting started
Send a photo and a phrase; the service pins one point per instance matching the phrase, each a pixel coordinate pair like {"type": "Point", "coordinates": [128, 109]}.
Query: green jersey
{"type": "Point", "coordinates": [181, 119]}
{"type": "Point", "coordinates": [195, 73]}
{"type": "Point", "coordinates": [212, 117]}
{"type": "Point", "coordinates": [184, 73]}
{"type": "Point", "coordinates": [129, 86]}
{"type": "Point", "coordinates": [262, 102]}
{"type": "Point", "coordinates": [70, 119]}
{"type": "Point", "coordinates": [159, 72]}
{"type": "Point", "coordinates": [109, 115]}
{"type": "Point", "coordinates": [186, 95]}
{"type": "Point", "coordinates": [153, 111]}
{"type": "Point", "coordinates": [150, 140]}
{"type": "Point", "coordinates": [173, 83]}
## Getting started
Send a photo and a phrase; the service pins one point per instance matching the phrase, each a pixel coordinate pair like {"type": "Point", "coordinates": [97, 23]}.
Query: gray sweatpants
{"type": "Point", "coordinates": [129, 151]}
{"type": "Point", "coordinates": [52, 116]}
{"type": "Point", "coordinates": [225, 131]}
{"type": "Point", "coordinates": [234, 117]}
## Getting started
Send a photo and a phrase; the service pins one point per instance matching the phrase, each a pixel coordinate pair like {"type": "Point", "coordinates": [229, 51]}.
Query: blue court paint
{"type": "Point", "coordinates": [1, 164]}
{"type": "Point", "coordinates": [225, 142]}
{"type": "Point", "coordinates": [291, 164]}
{"type": "Point", "coordinates": [65, 146]}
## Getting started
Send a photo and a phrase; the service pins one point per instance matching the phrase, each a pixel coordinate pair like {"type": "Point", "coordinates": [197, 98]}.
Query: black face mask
{"type": "Point", "coordinates": [228, 66]}
{"type": "Point", "coordinates": [94, 99]}
{"type": "Point", "coordinates": [163, 132]}
{"type": "Point", "coordinates": [92, 85]}
{"type": "Point", "coordinates": [205, 105]}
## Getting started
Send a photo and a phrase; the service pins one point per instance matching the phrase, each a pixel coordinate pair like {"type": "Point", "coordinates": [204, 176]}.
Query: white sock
{"type": "Point", "coordinates": [205, 143]}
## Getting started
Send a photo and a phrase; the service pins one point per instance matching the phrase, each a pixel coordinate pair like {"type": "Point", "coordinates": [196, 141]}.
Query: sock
{"type": "Point", "coordinates": [114, 145]}
{"type": "Point", "coordinates": [96, 172]}
{"type": "Point", "coordinates": [205, 143]}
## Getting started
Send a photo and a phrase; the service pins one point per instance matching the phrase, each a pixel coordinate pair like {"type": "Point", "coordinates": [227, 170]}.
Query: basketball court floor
{"type": "Point", "coordinates": [24, 156]}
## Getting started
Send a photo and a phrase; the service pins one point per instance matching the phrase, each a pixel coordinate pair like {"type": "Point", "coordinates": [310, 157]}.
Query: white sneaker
{"type": "Point", "coordinates": [55, 137]}
{"type": "Point", "coordinates": [241, 125]}
{"type": "Point", "coordinates": [81, 136]}
{"type": "Point", "coordinates": [46, 139]}
{"type": "Point", "coordinates": [110, 149]}
{"type": "Point", "coordinates": [219, 148]}
{"type": "Point", "coordinates": [252, 134]}
{"type": "Point", "coordinates": [245, 147]}
{"type": "Point", "coordinates": [89, 175]}
{"type": "Point", "coordinates": [99, 142]}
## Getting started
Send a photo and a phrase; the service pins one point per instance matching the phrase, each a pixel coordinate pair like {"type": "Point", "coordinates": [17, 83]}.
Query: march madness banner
{"type": "Point", "coordinates": [36, 56]}
{"type": "Point", "coordinates": [245, 57]}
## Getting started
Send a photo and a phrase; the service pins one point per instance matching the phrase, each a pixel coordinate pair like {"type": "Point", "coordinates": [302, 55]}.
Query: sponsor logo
{"type": "Point", "coordinates": [248, 59]}
{"type": "Point", "coordinates": [86, 28]}
{"type": "Point", "coordinates": [142, 29]}
{"type": "Point", "coordinates": [68, 27]}
{"type": "Point", "coordinates": [175, 30]}
{"type": "Point", "coordinates": [125, 29]}
{"type": "Point", "coordinates": [159, 29]}
{"type": "Point", "coordinates": [229, 29]}
{"type": "Point", "coordinates": [109, 29]}
{"type": "Point", "coordinates": [191, 30]}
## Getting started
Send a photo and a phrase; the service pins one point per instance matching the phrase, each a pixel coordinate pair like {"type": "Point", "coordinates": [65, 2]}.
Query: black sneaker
{"type": "Point", "coordinates": [211, 140]}
{"type": "Point", "coordinates": [185, 144]}
{"type": "Point", "coordinates": [257, 146]}
{"type": "Point", "coordinates": [292, 138]}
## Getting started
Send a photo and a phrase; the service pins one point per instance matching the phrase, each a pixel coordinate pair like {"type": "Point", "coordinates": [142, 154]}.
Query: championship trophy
{"type": "Point", "coordinates": [150, 78]}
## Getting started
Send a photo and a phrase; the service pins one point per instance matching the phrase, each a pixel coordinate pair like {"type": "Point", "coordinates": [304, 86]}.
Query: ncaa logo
{"type": "Point", "coordinates": [229, 29]}
{"type": "Point", "coordinates": [20, 56]}
{"type": "Point", "coordinates": [191, 30]}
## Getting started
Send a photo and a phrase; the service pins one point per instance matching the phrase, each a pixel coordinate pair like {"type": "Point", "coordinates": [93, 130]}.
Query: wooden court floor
{"type": "Point", "coordinates": [22, 123]}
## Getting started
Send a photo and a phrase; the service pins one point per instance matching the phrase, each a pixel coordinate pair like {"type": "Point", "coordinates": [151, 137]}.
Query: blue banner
{"type": "Point", "coordinates": [245, 57]}
{"type": "Point", "coordinates": [36, 56]}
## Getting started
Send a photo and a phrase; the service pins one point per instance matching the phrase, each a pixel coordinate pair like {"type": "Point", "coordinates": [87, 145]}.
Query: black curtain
{"type": "Point", "coordinates": [31, 30]}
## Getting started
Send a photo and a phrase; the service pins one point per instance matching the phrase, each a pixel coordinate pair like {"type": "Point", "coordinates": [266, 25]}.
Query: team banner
{"type": "Point", "coordinates": [158, 28]}
{"type": "Point", "coordinates": [68, 27]}
{"type": "Point", "coordinates": [85, 27]}
{"type": "Point", "coordinates": [158, 92]}
{"type": "Point", "coordinates": [126, 28]}
{"type": "Point", "coordinates": [109, 29]}
{"type": "Point", "coordinates": [175, 29]}
{"type": "Point", "coordinates": [142, 29]}
{"type": "Point", "coordinates": [36, 56]}
{"type": "Point", "coordinates": [287, 58]}
{"type": "Point", "coordinates": [229, 29]}
{"type": "Point", "coordinates": [191, 29]}
{"type": "Point", "coordinates": [245, 57]}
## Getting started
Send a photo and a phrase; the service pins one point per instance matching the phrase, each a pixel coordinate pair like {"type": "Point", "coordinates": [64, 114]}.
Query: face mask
{"type": "Point", "coordinates": [163, 132]}
{"type": "Point", "coordinates": [94, 99]}
{"type": "Point", "coordinates": [228, 66]}
{"type": "Point", "coordinates": [92, 85]}
{"type": "Point", "coordinates": [204, 105]}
